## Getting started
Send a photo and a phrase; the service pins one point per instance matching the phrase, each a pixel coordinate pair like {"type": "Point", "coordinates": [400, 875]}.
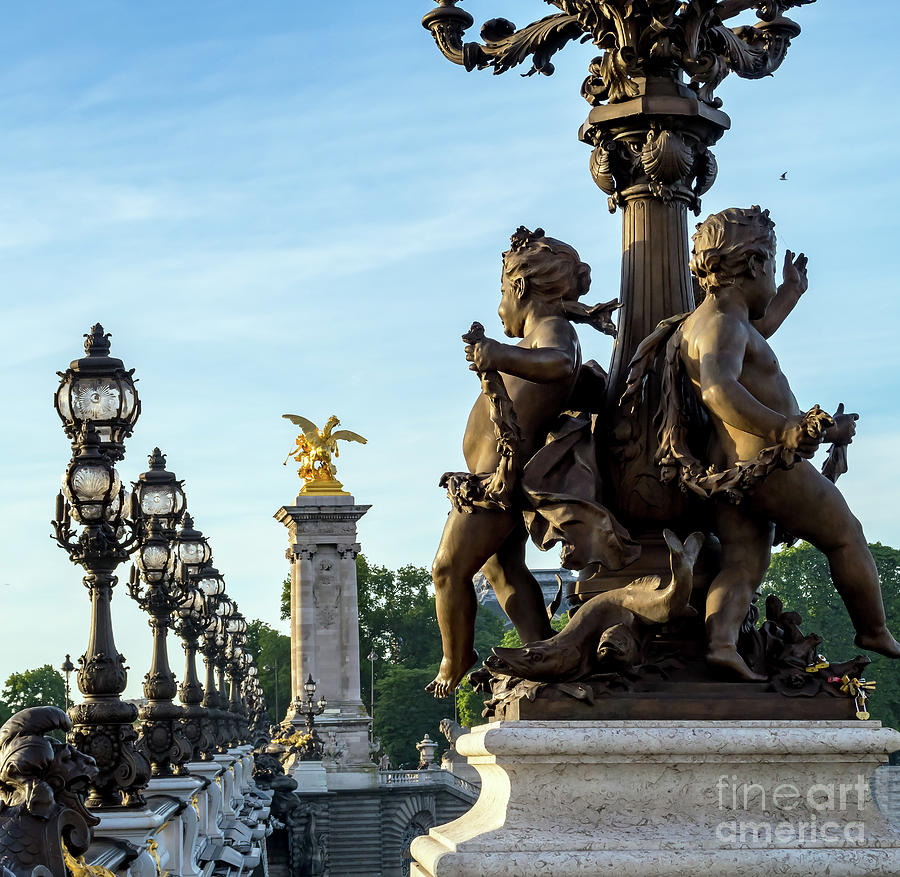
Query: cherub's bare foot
{"type": "Point", "coordinates": [728, 658]}
{"type": "Point", "coordinates": [450, 675]}
{"type": "Point", "coordinates": [882, 642]}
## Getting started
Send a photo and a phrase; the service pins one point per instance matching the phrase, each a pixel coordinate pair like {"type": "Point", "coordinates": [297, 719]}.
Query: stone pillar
{"type": "Point", "coordinates": [325, 626]}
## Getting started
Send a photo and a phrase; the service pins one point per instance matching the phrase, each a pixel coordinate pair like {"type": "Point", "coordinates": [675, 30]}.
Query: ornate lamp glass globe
{"type": "Point", "coordinates": [91, 484]}
{"type": "Point", "coordinates": [237, 624]}
{"type": "Point", "coordinates": [210, 581]}
{"type": "Point", "coordinates": [310, 688]}
{"type": "Point", "coordinates": [97, 389]}
{"type": "Point", "coordinates": [214, 626]}
{"type": "Point", "coordinates": [191, 545]}
{"type": "Point", "coordinates": [192, 604]}
{"type": "Point", "coordinates": [225, 608]}
{"type": "Point", "coordinates": [156, 557]}
{"type": "Point", "coordinates": [159, 493]}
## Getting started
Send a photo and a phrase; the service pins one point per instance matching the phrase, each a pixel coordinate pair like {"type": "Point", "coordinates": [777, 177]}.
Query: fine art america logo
{"type": "Point", "coordinates": [822, 814]}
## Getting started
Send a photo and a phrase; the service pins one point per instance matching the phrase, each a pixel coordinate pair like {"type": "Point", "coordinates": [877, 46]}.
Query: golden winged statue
{"type": "Point", "coordinates": [314, 449]}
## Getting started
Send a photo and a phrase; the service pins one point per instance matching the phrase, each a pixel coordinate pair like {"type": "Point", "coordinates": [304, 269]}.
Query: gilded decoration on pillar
{"type": "Point", "coordinates": [315, 449]}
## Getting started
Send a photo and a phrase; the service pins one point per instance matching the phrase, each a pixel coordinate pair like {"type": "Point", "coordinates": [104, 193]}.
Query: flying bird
{"type": "Point", "coordinates": [784, 176]}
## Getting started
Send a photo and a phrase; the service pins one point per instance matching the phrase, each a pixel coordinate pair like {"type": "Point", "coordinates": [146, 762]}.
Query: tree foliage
{"type": "Point", "coordinates": [799, 576]}
{"type": "Point", "coordinates": [405, 712]}
{"type": "Point", "coordinates": [43, 686]}
{"type": "Point", "coordinates": [285, 599]}
{"type": "Point", "coordinates": [271, 649]}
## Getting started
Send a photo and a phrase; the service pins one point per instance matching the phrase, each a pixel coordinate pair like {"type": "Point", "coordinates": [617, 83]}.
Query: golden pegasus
{"type": "Point", "coordinates": [315, 450]}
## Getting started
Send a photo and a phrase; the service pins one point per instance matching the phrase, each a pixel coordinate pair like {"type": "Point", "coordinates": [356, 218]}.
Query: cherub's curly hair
{"type": "Point", "coordinates": [724, 243]}
{"type": "Point", "coordinates": [552, 269]}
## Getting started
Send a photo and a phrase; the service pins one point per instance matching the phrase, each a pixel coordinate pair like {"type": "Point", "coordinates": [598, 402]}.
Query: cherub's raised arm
{"type": "Point", "coordinates": [794, 284]}
{"type": "Point", "coordinates": [554, 360]}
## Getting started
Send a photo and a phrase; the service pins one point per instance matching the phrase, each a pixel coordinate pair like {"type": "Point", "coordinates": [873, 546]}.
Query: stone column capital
{"type": "Point", "coordinates": [349, 550]}
{"type": "Point", "coordinates": [301, 552]}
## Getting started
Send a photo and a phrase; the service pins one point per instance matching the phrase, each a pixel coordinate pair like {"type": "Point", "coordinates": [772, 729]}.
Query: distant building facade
{"type": "Point", "coordinates": [548, 579]}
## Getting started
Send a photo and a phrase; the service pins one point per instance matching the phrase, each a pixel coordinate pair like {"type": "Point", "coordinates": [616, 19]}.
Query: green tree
{"type": "Point", "coordinates": [800, 578]}
{"type": "Point", "coordinates": [405, 712]}
{"type": "Point", "coordinates": [42, 686]}
{"type": "Point", "coordinates": [271, 650]}
{"type": "Point", "coordinates": [285, 599]}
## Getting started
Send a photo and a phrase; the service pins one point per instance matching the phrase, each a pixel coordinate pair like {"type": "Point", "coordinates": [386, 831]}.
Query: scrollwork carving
{"type": "Point", "coordinates": [639, 39]}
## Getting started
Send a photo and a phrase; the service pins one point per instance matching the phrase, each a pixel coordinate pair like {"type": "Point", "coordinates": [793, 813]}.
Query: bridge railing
{"type": "Point", "coordinates": [431, 776]}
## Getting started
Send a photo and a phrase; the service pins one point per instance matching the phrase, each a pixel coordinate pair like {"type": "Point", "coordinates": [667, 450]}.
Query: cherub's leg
{"type": "Point", "coordinates": [810, 507]}
{"type": "Point", "coordinates": [466, 543]}
{"type": "Point", "coordinates": [517, 590]}
{"type": "Point", "coordinates": [746, 546]}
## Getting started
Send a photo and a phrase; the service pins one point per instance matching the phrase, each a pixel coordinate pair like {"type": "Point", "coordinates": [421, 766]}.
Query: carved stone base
{"type": "Point", "coordinates": [309, 775]}
{"type": "Point", "coordinates": [669, 799]}
{"type": "Point", "coordinates": [698, 701]}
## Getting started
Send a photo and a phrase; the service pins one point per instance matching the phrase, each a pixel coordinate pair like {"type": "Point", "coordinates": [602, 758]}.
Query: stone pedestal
{"type": "Point", "coordinates": [669, 799]}
{"type": "Point", "coordinates": [310, 776]}
{"type": "Point", "coordinates": [325, 627]}
{"type": "Point", "coordinates": [209, 799]}
{"type": "Point", "coordinates": [180, 834]}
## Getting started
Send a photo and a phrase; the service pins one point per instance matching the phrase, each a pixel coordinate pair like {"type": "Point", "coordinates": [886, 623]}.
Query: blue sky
{"type": "Point", "coordinates": [278, 207]}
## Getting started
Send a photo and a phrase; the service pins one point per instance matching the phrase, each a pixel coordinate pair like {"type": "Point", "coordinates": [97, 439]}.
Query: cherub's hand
{"type": "Point", "coordinates": [796, 437]}
{"type": "Point", "coordinates": [483, 355]}
{"type": "Point", "coordinates": [844, 427]}
{"type": "Point", "coordinates": [794, 272]}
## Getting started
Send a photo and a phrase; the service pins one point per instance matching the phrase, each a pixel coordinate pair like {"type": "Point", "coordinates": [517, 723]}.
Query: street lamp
{"type": "Point", "coordinates": [67, 668]}
{"type": "Point", "coordinates": [188, 624]}
{"type": "Point", "coordinates": [193, 554]}
{"type": "Point", "coordinates": [224, 609]}
{"type": "Point", "coordinates": [372, 696]}
{"type": "Point", "coordinates": [212, 586]}
{"type": "Point", "coordinates": [98, 405]}
{"type": "Point", "coordinates": [312, 747]}
{"type": "Point", "coordinates": [152, 586]}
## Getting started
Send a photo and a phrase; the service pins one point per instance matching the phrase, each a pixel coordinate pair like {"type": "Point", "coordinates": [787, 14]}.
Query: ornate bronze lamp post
{"type": "Point", "coordinates": [193, 553]}
{"type": "Point", "coordinates": [98, 405]}
{"type": "Point", "coordinates": [311, 748]}
{"type": "Point", "coordinates": [654, 117]}
{"type": "Point", "coordinates": [213, 587]}
{"type": "Point", "coordinates": [225, 610]}
{"type": "Point", "coordinates": [159, 495]}
{"type": "Point", "coordinates": [162, 738]}
{"type": "Point", "coordinates": [67, 668]}
{"type": "Point", "coordinates": [237, 663]}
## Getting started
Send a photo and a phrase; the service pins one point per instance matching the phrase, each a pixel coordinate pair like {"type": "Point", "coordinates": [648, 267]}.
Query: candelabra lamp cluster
{"type": "Point", "coordinates": [100, 526]}
{"type": "Point", "coordinates": [311, 746]}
